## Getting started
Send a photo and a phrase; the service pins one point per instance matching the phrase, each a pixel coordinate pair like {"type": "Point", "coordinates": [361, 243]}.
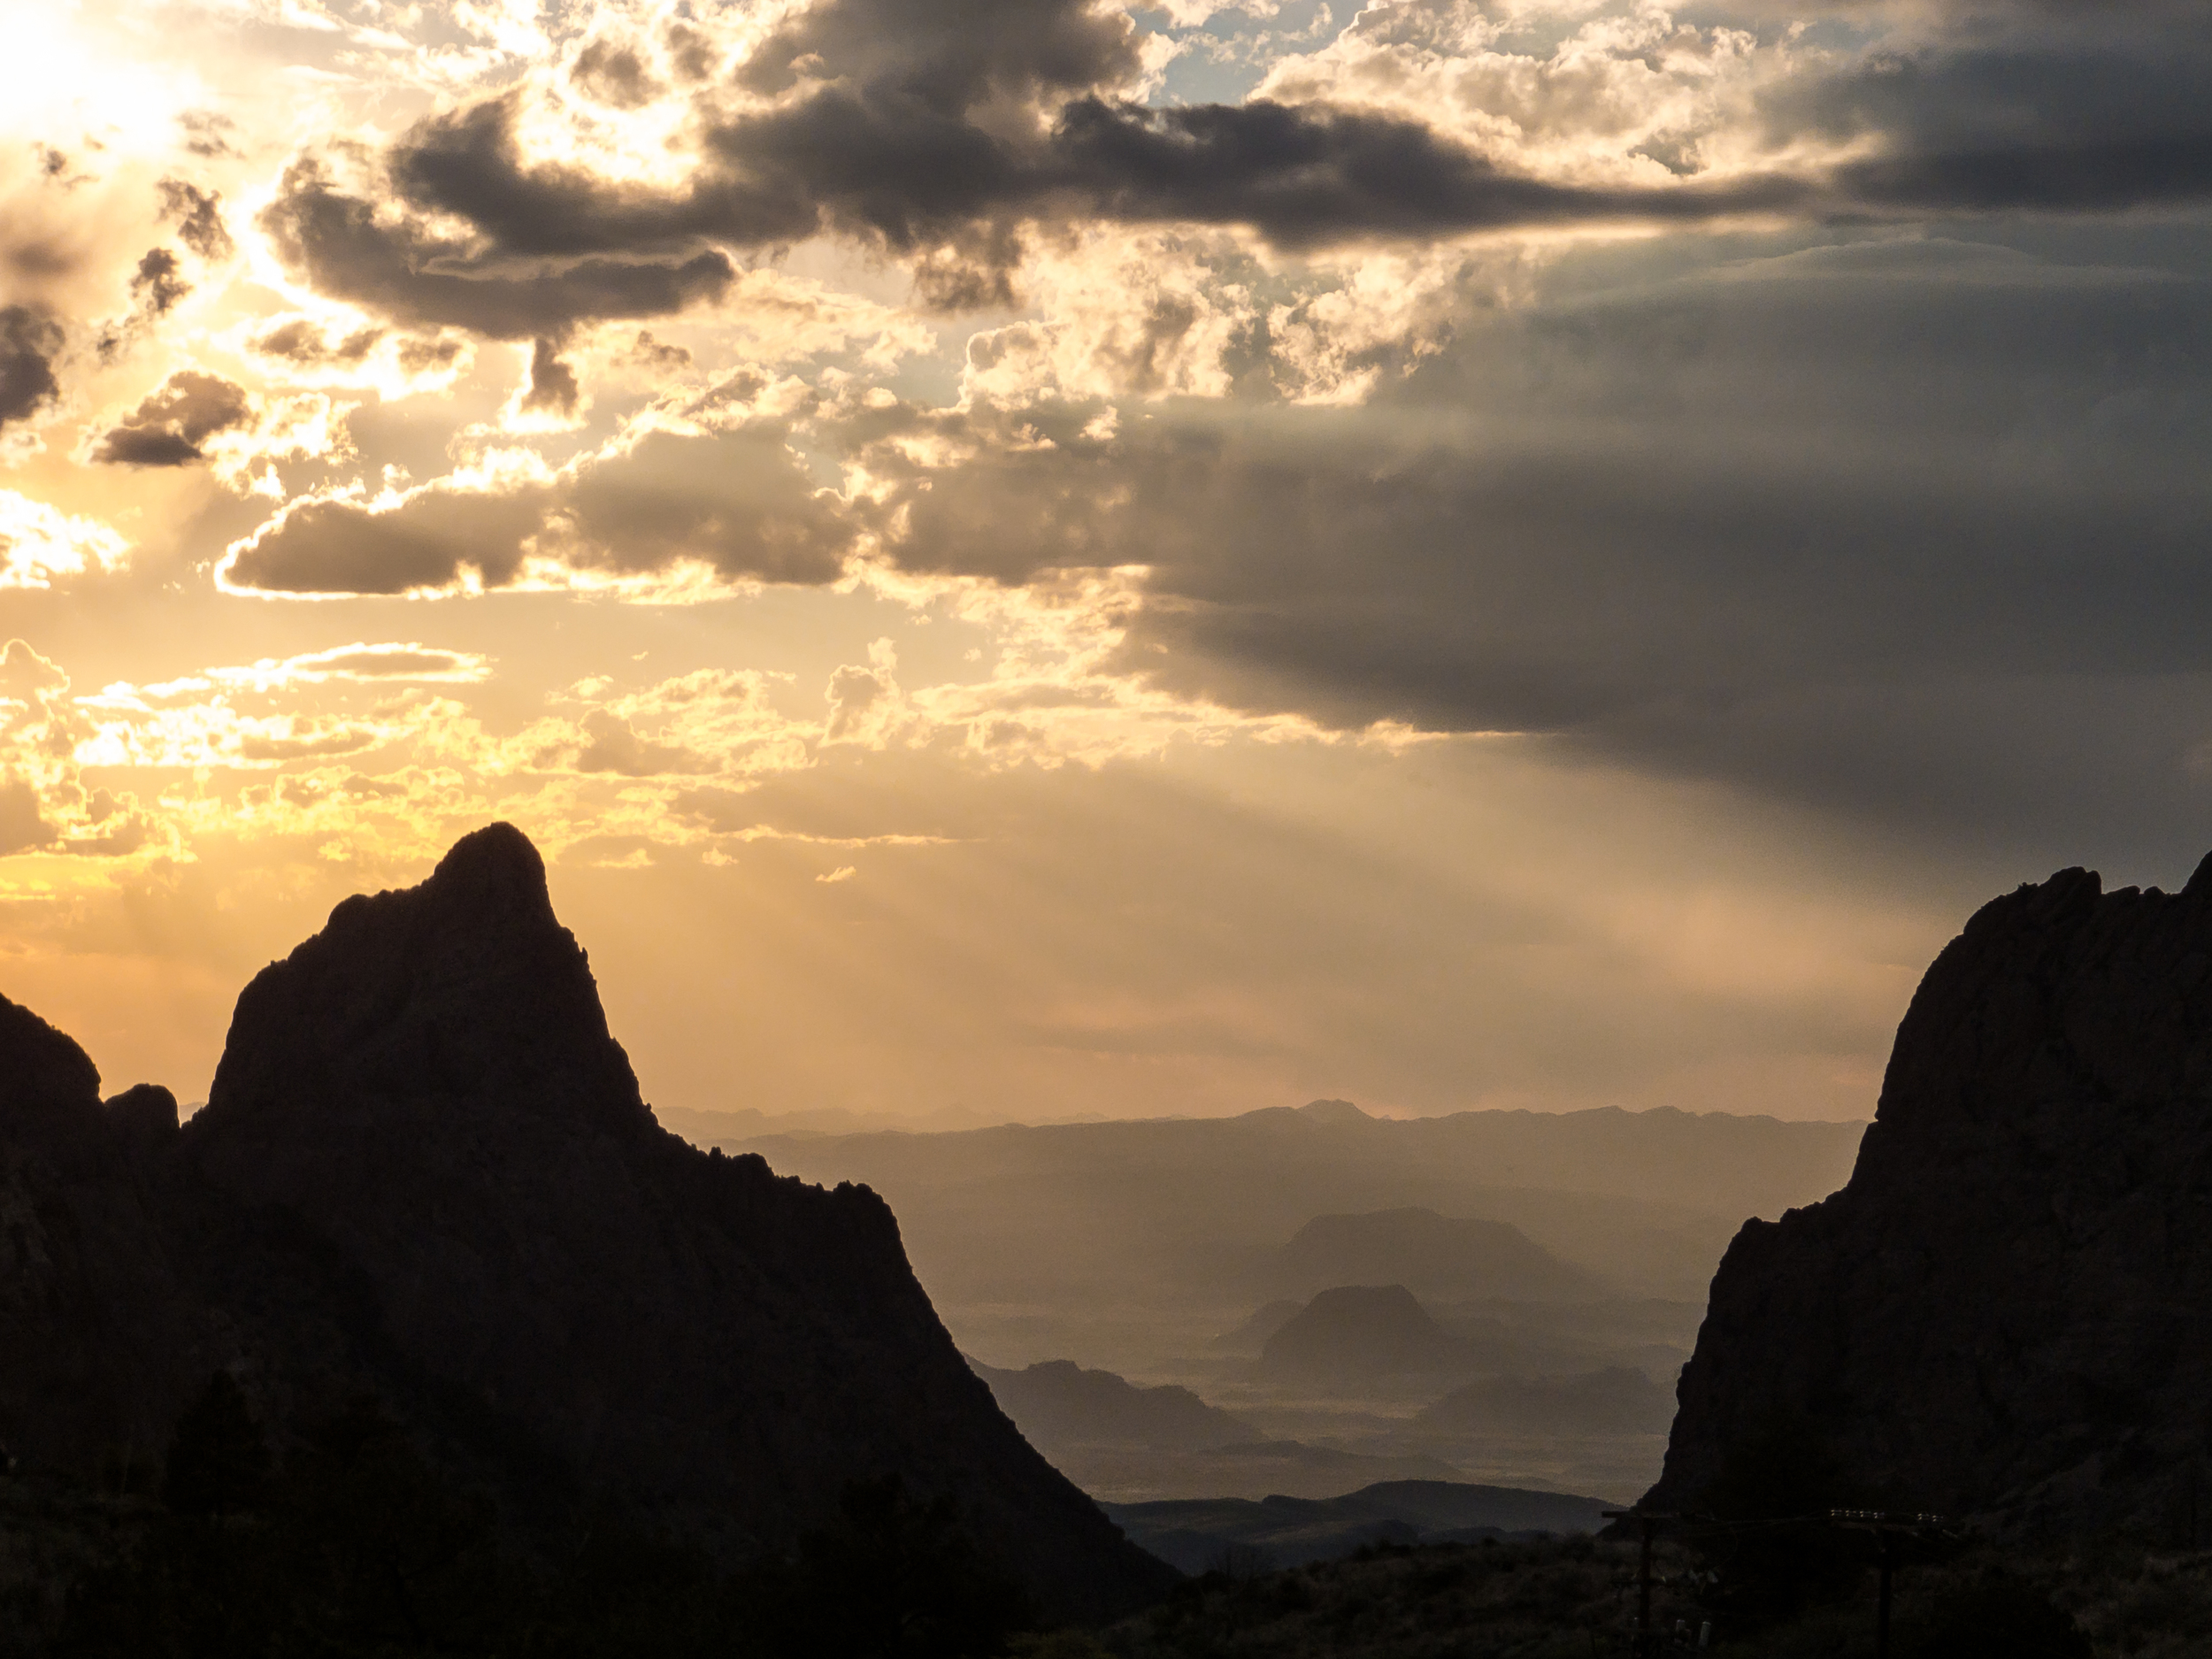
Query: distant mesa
{"type": "Point", "coordinates": [425, 1172]}
{"type": "Point", "coordinates": [1363, 1332]}
{"type": "Point", "coordinates": [1440, 1259]}
{"type": "Point", "coordinates": [2003, 1312]}
{"type": "Point", "coordinates": [1058, 1404]}
{"type": "Point", "coordinates": [1614, 1400]}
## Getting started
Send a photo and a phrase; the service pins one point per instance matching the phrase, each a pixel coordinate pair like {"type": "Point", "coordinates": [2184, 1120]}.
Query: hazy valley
{"type": "Point", "coordinates": [1500, 1297]}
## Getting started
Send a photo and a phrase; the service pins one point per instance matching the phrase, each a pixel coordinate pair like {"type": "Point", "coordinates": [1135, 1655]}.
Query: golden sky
{"type": "Point", "coordinates": [1035, 557]}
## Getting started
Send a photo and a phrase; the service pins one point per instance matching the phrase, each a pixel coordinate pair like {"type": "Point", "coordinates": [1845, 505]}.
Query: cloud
{"type": "Point", "coordinates": [610, 745]}
{"type": "Point", "coordinates": [29, 342]}
{"type": "Point", "coordinates": [552, 389]}
{"type": "Point", "coordinates": [615, 75]}
{"type": "Point", "coordinates": [408, 271]}
{"type": "Point", "coordinates": [2095, 120]}
{"type": "Point", "coordinates": [938, 134]}
{"type": "Point", "coordinates": [39, 543]}
{"type": "Point", "coordinates": [22, 829]}
{"type": "Point", "coordinates": [735, 502]}
{"type": "Point", "coordinates": [172, 425]}
{"type": "Point", "coordinates": [361, 662]}
{"type": "Point", "coordinates": [302, 339]}
{"type": "Point", "coordinates": [26, 676]}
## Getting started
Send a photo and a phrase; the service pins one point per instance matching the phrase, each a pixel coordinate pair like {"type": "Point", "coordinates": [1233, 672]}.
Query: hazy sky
{"type": "Point", "coordinates": [1024, 558]}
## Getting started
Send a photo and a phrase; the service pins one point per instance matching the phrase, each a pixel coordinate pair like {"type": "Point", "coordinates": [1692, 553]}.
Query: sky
{"type": "Point", "coordinates": [1039, 558]}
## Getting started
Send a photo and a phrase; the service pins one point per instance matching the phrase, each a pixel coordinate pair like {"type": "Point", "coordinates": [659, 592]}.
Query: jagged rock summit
{"type": "Point", "coordinates": [424, 1170]}
{"type": "Point", "coordinates": [2008, 1309]}
{"type": "Point", "coordinates": [465, 990]}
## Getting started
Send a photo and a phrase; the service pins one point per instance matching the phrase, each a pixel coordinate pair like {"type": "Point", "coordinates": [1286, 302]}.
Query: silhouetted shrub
{"type": "Point", "coordinates": [2000, 1618]}
{"type": "Point", "coordinates": [890, 1578]}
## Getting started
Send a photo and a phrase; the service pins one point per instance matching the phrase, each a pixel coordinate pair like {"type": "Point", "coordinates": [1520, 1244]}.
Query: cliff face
{"type": "Point", "coordinates": [2008, 1307]}
{"type": "Point", "coordinates": [425, 1167]}
{"type": "Point", "coordinates": [94, 1326]}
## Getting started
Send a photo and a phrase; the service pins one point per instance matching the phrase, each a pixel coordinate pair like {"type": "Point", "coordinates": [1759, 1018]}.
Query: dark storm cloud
{"type": "Point", "coordinates": [29, 342]}
{"type": "Point", "coordinates": [1949, 567]}
{"type": "Point", "coordinates": [416, 276]}
{"type": "Point", "coordinates": [736, 502]}
{"type": "Point", "coordinates": [912, 173]}
{"type": "Point", "coordinates": [169, 428]}
{"type": "Point", "coordinates": [2086, 121]}
{"type": "Point", "coordinates": [1604, 519]}
{"type": "Point", "coordinates": [937, 132]}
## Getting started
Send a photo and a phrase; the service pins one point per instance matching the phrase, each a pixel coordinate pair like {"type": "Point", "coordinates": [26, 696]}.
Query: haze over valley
{"type": "Point", "coordinates": [1326, 1278]}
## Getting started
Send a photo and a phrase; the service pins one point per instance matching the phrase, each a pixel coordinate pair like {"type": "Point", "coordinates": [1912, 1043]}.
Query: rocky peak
{"type": "Point", "coordinates": [43, 1073]}
{"type": "Point", "coordinates": [425, 1169]}
{"type": "Point", "coordinates": [463, 988]}
{"type": "Point", "coordinates": [2003, 1310]}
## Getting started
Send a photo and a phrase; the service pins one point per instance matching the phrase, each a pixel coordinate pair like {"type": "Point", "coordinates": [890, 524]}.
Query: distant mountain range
{"type": "Point", "coordinates": [1209, 1534]}
{"type": "Point", "coordinates": [1027, 1237]}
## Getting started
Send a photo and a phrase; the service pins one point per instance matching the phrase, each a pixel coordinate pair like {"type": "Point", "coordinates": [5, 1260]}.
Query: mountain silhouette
{"type": "Point", "coordinates": [1058, 1403]}
{"type": "Point", "coordinates": [2003, 1311]}
{"type": "Point", "coordinates": [425, 1171]}
{"type": "Point", "coordinates": [1362, 1331]}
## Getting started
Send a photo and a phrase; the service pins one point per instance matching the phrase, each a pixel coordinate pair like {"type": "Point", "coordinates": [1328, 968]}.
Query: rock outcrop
{"type": "Point", "coordinates": [2008, 1309]}
{"type": "Point", "coordinates": [425, 1169]}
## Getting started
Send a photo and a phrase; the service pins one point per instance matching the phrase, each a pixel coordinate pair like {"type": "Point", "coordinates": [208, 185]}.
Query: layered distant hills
{"type": "Point", "coordinates": [425, 1175]}
{"type": "Point", "coordinates": [1145, 1247]}
{"type": "Point", "coordinates": [1058, 1405]}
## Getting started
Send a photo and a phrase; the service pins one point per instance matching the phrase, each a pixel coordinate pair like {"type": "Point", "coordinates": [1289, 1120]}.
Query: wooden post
{"type": "Point", "coordinates": [1647, 1523]}
{"type": "Point", "coordinates": [1643, 1592]}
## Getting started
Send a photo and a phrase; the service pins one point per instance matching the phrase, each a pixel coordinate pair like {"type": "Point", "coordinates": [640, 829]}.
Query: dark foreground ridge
{"type": "Point", "coordinates": [2004, 1311]}
{"type": "Point", "coordinates": [425, 1173]}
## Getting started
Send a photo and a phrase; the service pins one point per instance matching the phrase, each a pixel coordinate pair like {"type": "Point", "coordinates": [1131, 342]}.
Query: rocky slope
{"type": "Point", "coordinates": [2006, 1309]}
{"type": "Point", "coordinates": [425, 1169]}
